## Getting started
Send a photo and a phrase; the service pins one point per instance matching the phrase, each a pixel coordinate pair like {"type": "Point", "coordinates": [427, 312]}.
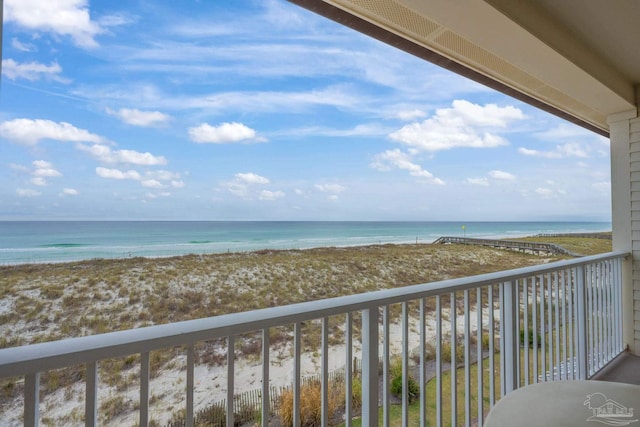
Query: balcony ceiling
{"type": "Point", "coordinates": [575, 58]}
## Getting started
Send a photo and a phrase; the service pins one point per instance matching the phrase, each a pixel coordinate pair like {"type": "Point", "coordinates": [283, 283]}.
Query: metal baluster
{"type": "Point", "coordinates": [534, 307]}
{"type": "Point", "coordinates": [590, 315]}
{"type": "Point", "coordinates": [480, 415]}
{"type": "Point", "coordinates": [405, 364]}
{"type": "Point", "coordinates": [618, 304]}
{"type": "Point", "coordinates": [492, 334]}
{"type": "Point", "coordinates": [370, 366]}
{"type": "Point", "coordinates": [565, 362]}
{"type": "Point", "coordinates": [572, 323]}
{"type": "Point", "coordinates": [516, 290]}
{"type": "Point", "coordinates": [454, 358]}
{"type": "Point", "coordinates": [32, 399]}
{"type": "Point", "coordinates": [386, 398]}
{"type": "Point", "coordinates": [423, 365]}
{"type": "Point", "coordinates": [509, 335]}
{"type": "Point", "coordinates": [297, 350]}
{"type": "Point", "coordinates": [525, 298]}
{"type": "Point", "coordinates": [550, 325]}
{"type": "Point", "coordinates": [348, 373]}
{"type": "Point", "coordinates": [231, 359]}
{"type": "Point", "coordinates": [581, 322]}
{"type": "Point", "coordinates": [438, 362]}
{"type": "Point", "coordinates": [467, 361]}
{"type": "Point", "coordinates": [265, 378]}
{"type": "Point", "coordinates": [556, 297]}
{"type": "Point", "coordinates": [325, 373]}
{"type": "Point", "coordinates": [190, 386]}
{"type": "Point", "coordinates": [91, 398]}
{"type": "Point", "coordinates": [144, 389]}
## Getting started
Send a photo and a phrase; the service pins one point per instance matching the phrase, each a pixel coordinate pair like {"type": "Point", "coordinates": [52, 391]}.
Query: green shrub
{"type": "Point", "coordinates": [522, 337]}
{"type": "Point", "coordinates": [395, 371]}
{"type": "Point", "coordinates": [412, 386]}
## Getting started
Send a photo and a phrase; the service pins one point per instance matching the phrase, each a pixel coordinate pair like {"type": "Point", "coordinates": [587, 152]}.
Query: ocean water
{"type": "Point", "coordinates": [58, 241]}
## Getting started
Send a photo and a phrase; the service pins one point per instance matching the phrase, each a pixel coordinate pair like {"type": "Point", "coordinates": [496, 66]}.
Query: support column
{"type": "Point", "coordinates": [624, 131]}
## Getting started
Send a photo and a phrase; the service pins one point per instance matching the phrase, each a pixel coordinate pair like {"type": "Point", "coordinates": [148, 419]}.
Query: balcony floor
{"type": "Point", "coordinates": [624, 369]}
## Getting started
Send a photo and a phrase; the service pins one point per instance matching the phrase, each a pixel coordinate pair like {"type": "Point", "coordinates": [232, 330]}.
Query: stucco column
{"type": "Point", "coordinates": [624, 131]}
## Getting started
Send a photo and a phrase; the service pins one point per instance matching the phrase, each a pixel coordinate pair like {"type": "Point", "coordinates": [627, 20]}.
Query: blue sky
{"type": "Point", "coordinates": [260, 110]}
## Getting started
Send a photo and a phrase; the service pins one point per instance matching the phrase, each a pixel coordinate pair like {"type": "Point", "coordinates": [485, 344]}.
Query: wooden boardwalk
{"type": "Point", "coordinates": [534, 247]}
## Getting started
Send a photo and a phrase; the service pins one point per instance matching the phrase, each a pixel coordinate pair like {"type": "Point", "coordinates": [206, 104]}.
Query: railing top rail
{"type": "Point", "coordinates": [17, 361]}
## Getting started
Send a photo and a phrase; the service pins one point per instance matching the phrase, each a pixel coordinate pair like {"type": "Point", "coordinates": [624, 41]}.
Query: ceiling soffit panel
{"type": "Point", "coordinates": [403, 19]}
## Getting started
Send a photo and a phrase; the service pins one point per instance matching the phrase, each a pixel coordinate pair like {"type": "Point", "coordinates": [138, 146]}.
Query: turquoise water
{"type": "Point", "coordinates": [57, 241]}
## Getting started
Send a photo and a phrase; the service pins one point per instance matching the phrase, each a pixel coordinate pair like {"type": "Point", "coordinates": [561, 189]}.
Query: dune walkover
{"type": "Point", "coordinates": [535, 247]}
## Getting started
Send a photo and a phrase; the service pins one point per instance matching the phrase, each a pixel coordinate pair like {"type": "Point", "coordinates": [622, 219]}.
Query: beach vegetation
{"type": "Point", "coordinates": [395, 371]}
{"type": "Point", "coordinates": [113, 407]}
{"type": "Point", "coordinates": [310, 403]}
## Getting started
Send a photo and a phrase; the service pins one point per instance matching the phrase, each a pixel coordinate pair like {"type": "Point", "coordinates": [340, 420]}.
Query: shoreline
{"type": "Point", "coordinates": [249, 251]}
{"type": "Point", "coordinates": [53, 242]}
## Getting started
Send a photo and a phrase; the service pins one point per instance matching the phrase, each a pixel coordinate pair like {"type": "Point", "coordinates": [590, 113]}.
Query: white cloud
{"type": "Point", "coordinates": [138, 158]}
{"type": "Point", "coordinates": [570, 149]}
{"type": "Point", "coordinates": [152, 183]}
{"type": "Point", "coordinates": [251, 178]}
{"type": "Point", "coordinates": [271, 195]}
{"type": "Point", "coordinates": [463, 125]}
{"type": "Point", "coordinates": [117, 174]}
{"type": "Point", "coordinates": [549, 193]}
{"type": "Point", "coordinates": [32, 71]}
{"type": "Point", "coordinates": [151, 179]}
{"type": "Point", "coordinates": [536, 153]}
{"type": "Point", "coordinates": [23, 47]}
{"type": "Point", "coordinates": [573, 150]}
{"type": "Point", "coordinates": [39, 173]}
{"type": "Point", "coordinates": [225, 133]}
{"type": "Point", "coordinates": [44, 169]}
{"type": "Point", "coordinates": [140, 118]}
{"type": "Point", "coordinates": [30, 132]}
{"type": "Point", "coordinates": [411, 114]}
{"type": "Point", "coordinates": [27, 192]}
{"type": "Point", "coordinates": [398, 159]}
{"type": "Point", "coordinates": [106, 155]}
{"type": "Point", "coordinates": [39, 181]}
{"type": "Point", "coordinates": [60, 17]}
{"type": "Point", "coordinates": [69, 192]}
{"type": "Point", "coordinates": [330, 188]}
{"type": "Point", "coordinates": [478, 181]}
{"type": "Point", "coordinates": [370, 129]}
{"type": "Point", "coordinates": [117, 20]}
{"type": "Point", "coordinates": [243, 185]}
{"type": "Point", "coordinates": [497, 174]}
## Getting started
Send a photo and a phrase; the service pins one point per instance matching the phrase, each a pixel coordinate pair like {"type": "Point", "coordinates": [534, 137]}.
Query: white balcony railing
{"type": "Point", "coordinates": [550, 322]}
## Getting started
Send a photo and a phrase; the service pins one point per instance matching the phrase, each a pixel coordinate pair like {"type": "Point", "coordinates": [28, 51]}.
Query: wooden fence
{"type": "Point", "coordinates": [247, 405]}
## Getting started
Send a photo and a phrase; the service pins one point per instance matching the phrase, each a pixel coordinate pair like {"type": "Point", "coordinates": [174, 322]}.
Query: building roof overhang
{"type": "Point", "coordinates": [575, 58]}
